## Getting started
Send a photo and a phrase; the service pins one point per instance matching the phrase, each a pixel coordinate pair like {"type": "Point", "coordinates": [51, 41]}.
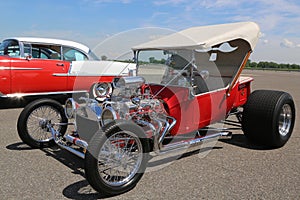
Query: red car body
{"type": "Point", "coordinates": [39, 66]}
{"type": "Point", "coordinates": [205, 109]}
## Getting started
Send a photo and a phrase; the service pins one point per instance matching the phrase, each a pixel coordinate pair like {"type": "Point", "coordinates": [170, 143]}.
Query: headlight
{"type": "Point", "coordinates": [102, 90]}
{"type": "Point", "coordinates": [70, 108]}
{"type": "Point", "coordinates": [108, 115]}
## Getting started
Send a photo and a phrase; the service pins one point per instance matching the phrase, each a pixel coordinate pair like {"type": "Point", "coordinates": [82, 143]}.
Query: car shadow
{"type": "Point", "coordinates": [66, 158]}
{"type": "Point", "coordinates": [170, 159]}
{"type": "Point", "coordinates": [82, 189]}
{"type": "Point", "coordinates": [19, 146]}
{"type": "Point", "coordinates": [78, 190]}
{"type": "Point", "coordinates": [12, 103]}
{"type": "Point", "coordinates": [9, 103]}
{"type": "Point", "coordinates": [240, 140]}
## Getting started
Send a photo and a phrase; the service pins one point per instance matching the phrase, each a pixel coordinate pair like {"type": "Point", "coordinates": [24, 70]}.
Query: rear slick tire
{"type": "Point", "coordinates": [269, 118]}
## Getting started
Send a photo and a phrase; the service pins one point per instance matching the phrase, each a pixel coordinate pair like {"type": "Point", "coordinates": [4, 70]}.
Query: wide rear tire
{"type": "Point", "coordinates": [269, 118]}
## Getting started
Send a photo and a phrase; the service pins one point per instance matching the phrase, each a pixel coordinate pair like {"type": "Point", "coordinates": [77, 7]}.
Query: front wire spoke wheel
{"type": "Point", "coordinates": [117, 157]}
{"type": "Point", "coordinates": [41, 116]}
{"type": "Point", "coordinates": [33, 122]}
{"type": "Point", "coordinates": [117, 160]}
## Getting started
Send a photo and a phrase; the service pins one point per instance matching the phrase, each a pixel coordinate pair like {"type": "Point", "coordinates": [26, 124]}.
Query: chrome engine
{"type": "Point", "coordinates": [129, 103]}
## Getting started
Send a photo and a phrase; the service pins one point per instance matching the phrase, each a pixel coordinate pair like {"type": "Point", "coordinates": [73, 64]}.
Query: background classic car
{"type": "Point", "coordinates": [41, 66]}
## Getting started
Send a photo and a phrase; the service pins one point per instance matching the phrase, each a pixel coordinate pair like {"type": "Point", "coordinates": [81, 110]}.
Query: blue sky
{"type": "Point", "coordinates": [93, 21]}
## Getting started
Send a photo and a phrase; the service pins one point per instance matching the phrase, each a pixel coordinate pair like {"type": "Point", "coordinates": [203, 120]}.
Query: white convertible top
{"type": "Point", "coordinates": [52, 41]}
{"type": "Point", "coordinates": [204, 37]}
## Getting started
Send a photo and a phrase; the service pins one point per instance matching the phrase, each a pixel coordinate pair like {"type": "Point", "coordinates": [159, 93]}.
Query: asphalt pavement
{"type": "Point", "coordinates": [232, 169]}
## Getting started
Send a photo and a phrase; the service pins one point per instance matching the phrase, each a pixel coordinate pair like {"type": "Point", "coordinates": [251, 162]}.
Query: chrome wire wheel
{"type": "Point", "coordinates": [120, 158]}
{"type": "Point", "coordinates": [37, 122]}
{"type": "Point", "coordinates": [285, 120]}
{"type": "Point", "coordinates": [117, 157]}
{"type": "Point", "coordinates": [34, 118]}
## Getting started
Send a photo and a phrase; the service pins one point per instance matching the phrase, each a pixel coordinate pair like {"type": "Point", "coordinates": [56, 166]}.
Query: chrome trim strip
{"type": "Point", "coordinates": [213, 91]}
{"type": "Point", "coordinates": [23, 68]}
{"type": "Point", "coordinates": [40, 93]}
{"type": "Point", "coordinates": [86, 75]}
{"type": "Point", "coordinates": [4, 68]}
{"type": "Point", "coordinates": [64, 74]}
{"type": "Point", "coordinates": [18, 68]}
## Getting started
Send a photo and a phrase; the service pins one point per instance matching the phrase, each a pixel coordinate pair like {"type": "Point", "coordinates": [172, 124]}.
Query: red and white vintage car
{"type": "Point", "coordinates": [187, 85]}
{"type": "Point", "coordinates": [42, 66]}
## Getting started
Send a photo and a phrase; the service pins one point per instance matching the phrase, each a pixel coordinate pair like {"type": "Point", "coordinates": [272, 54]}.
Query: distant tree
{"type": "Point", "coordinates": [253, 65]}
{"type": "Point", "coordinates": [271, 65]}
{"type": "Point", "coordinates": [152, 60]}
{"type": "Point", "coordinates": [104, 57]}
{"type": "Point", "coordinates": [163, 61]}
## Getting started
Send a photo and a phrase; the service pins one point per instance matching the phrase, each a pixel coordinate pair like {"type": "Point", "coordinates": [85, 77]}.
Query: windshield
{"type": "Point", "coordinates": [215, 67]}
{"type": "Point", "coordinates": [10, 48]}
{"type": "Point", "coordinates": [165, 67]}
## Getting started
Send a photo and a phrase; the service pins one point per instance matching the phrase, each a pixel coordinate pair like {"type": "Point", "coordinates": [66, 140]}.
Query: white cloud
{"type": "Point", "coordinates": [219, 3]}
{"type": "Point", "coordinates": [289, 44]}
{"type": "Point", "coordinates": [271, 15]}
{"type": "Point", "coordinates": [265, 41]}
{"type": "Point", "coordinates": [272, 52]}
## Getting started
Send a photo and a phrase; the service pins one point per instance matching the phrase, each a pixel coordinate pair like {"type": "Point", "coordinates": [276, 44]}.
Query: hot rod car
{"type": "Point", "coordinates": [186, 83]}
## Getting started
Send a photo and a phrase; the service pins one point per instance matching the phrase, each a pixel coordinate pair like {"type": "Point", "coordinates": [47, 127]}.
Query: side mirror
{"type": "Point", "coordinates": [28, 57]}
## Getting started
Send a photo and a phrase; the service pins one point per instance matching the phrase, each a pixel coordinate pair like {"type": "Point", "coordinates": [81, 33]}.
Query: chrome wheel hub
{"type": "Point", "coordinates": [38, 120]}
{"type": "Point", "coordinates": [285, 120]}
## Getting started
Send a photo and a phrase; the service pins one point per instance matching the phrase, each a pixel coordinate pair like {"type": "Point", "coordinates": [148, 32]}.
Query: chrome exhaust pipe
{"type": "Point", "coordinates": [69, 138]}
{"type": "Point", "coordinates": [185, 146]}
{"type": "Point", "coordinates": [226, 135]}
{"type": "Point", "coordinates": [72, 150]}
{"type": "Point", "coordinates": [76, 141]}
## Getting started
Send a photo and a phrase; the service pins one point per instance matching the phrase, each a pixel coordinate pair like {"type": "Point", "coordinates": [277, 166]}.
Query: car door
{"type": "Point", "coordinates": [44, 71]}
{"type": "Point", "coordinates": [4, 75]}
{"type": "Point", "coordinates": [8, 49]}
{"type": "Point", "coordinates": [212, 107]}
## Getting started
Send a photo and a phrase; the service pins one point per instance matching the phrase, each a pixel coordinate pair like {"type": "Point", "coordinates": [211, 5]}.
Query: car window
{"type": "Point", "coordinates": [71, 54]}
{"type": "Point", "coordinates": [10, 48]}
{"type": "Point", "coordinates": [40, 53]}
{"type": "Point", "coordinates": [45, 51]}
{"type": "Point", "coordinates": [27, 49]}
